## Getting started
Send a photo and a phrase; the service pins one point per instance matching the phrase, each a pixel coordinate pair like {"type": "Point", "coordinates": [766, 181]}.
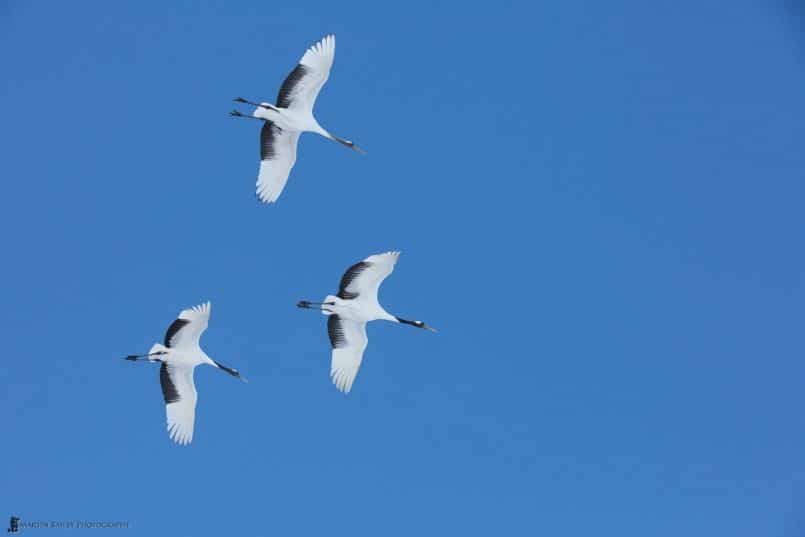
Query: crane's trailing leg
{"type": "Point", "coordinates": [306, 304]}
{"type": "Point", "coordinates": [235, 113]}
{"type": "Point", "coordinates": [135, 357]}
{"type": "Point", "coordinates": [259, 105]}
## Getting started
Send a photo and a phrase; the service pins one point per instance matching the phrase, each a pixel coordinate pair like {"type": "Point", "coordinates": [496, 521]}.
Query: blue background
{"type": "Point", "coordinates": [600, 206]}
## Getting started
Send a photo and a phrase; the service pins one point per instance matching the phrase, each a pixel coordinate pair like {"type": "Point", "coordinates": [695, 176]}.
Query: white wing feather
{"type": "Point", "coordinates": [181, 415]}
{"type": "Point", "coordinates": [347, 358]}
{"type": "Point", "coordinates": [300, 89]}
{"type": "Point", "coordinates": [276, 165]}
{"type": "Point", "coordinates": [368, 274]}
{"type": "Point", "coordinates": [188, 336]}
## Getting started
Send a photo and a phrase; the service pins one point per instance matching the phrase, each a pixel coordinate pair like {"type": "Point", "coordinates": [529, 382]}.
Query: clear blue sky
{"type": "Point", "coordinates": [600, 206]}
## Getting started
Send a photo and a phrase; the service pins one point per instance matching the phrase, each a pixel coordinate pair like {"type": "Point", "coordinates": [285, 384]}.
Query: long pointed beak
{"type": "Point", "coordinates": [426, 327]}
{"type": "Point", "coordinates": [234, 372]}
{"type": "Point", "coordinates": [347, 143]}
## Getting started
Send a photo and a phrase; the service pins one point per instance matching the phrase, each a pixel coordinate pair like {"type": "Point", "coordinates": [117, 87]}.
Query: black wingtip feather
{"type": "Point", "coordinates": [169, 391]}
{"type": "Point", "coordinates": [286, 91]}
{"type": "Point", "coordinates": [352, 272]}
{"type": "Point", "coordinates": [173, 329]}
{"type": "Point", "coordinates": [336, 332]}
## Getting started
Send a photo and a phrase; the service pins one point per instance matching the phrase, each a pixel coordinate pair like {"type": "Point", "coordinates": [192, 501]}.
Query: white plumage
{"type": "Point", "coordinates": [348, 312]}
{"type": "Point", "coordinates": [179, 355]}
{"type": "Point", "coordinates": [291, 116]}
{"type": "Point", "coordinates": [346, 358]}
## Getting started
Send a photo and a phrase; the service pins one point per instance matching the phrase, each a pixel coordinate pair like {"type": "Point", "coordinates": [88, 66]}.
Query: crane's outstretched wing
{"type": "Point", "coordinates": [348, 339]}
{"type": "Point", "coordinates": [185, 332]}
{"type": "Point", "coordinates": [365, 277]}
{"type": "Point", "coordinates": [300, 89]}
{"type": "Point", "coordinates": [277, 157]}
{"type": "Point", "coordinates": [180, 400]}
